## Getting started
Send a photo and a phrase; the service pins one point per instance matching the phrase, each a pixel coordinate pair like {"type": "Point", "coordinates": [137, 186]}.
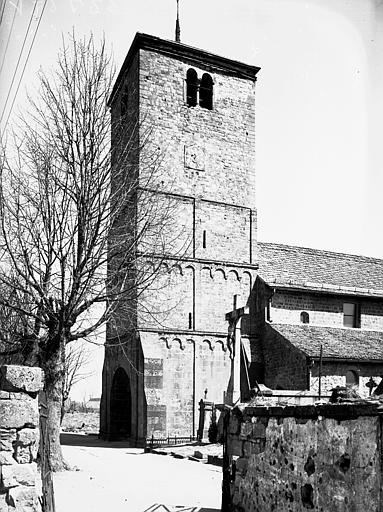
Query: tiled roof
{"type": "Point", "coordinates": [301, 267]}
{"type": "Point", "coordinates": [338, 343]}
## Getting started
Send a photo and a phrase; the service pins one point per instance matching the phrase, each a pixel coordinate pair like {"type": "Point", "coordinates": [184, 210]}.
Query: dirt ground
{"type": "Point", "coordinates": [86, 422]}
{"type": "Point", "coordinates": [113, 476]}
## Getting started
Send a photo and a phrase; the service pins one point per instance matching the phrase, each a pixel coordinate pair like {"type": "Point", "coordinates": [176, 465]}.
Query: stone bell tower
{"type": "Point", "coordinates": [197, 110]}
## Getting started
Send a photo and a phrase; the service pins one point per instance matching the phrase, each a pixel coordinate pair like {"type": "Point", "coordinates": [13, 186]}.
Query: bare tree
{"type": "Point", "coordinates": [76, 364]}
{"type": "Point", "coordinates": [71, 232]}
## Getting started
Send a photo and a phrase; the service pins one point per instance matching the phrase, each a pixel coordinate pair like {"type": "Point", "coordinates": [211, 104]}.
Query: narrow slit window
{"type": "Point", "coordinates": [206, 92]}
{"type": "Point", "coordinates": [191, 87]}
{"type": "Point", "coordinates": [204, 239]}
{"type": "Point", "coordinates": [305, 317]}
{"type": "Point", "coordinates": [124, 102]}
{"type": "Point", "coordinates": [190, 321]}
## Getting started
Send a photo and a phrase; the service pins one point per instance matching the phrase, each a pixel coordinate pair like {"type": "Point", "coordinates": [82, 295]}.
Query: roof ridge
{"type": "Point", "coordinates": [322, 251]}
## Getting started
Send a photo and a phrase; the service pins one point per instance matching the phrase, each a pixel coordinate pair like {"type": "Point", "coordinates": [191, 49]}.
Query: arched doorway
{"type": "Point", "coordinates": [120, 406]}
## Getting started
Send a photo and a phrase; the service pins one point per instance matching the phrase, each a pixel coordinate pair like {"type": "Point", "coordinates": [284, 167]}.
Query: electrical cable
{"type": "Point", "coordinates": [18, 61]}
{"type": "Point", "coordinates": [2, 11]}
{"type": "Point", "coordinates": [26, 62]}
{"type": "Point", "coordinates": [9, 35]}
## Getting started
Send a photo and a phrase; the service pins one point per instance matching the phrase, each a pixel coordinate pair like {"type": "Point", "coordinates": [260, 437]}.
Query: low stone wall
{"type": "Point", "coordinates": [19, 438]}
{"type": "Point", "coordinates": [325, 458]}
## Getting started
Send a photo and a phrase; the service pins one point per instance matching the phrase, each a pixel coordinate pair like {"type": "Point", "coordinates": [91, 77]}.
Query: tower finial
{"type": "Point", "coordinates": [178, 30]}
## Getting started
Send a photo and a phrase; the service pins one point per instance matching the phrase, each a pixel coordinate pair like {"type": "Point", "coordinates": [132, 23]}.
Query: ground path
{"type": "Point", "coordinates": [114, 477]}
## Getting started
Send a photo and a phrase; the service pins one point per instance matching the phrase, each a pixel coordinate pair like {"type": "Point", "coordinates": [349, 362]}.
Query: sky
{"type": "Point", "coordinates": [319, 98]}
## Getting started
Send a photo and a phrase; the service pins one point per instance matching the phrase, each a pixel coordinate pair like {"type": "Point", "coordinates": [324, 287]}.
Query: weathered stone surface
{"type": "Point", "coordinates": [18, 413]}
{"type": "Point", "coordinates": [23, 500]}
{"type": "Point", "coordinates": [241, 465]}
{"type": "Point", "coordinates": [201, 160]}
{"type": "Point", "coordinates": [319, 463]}
{"type": "Point", "coordinates": [7, 437]}
{"type": "Point", "coordinates": [19, 474]}
{"type": "Point", "coordinates": [6, 458]}
{"type": "Point", "coordinates": [246, 430]}
{"type": "Point", "coordinates": [234, 446]}
{"type": "Point", "coordinates": [3, 503]}
{"type": "Point", "coordinates": [234, 425]}
{"type": "Point", "coordinates": [4, 395]}
{"type": "Point", "coordinates": [26, 445]}
{"type": "Point", "coordinates": [27, 436]}
{"type": "Point", "coordinates": [21, 378]}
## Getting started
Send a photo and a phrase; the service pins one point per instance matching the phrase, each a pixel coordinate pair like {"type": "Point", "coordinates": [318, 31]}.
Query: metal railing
{"type": "Point", "coordinates": [155, 442]}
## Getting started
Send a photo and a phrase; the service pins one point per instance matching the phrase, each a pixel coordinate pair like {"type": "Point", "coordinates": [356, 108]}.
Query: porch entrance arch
{"type": "Point", "coordinates": [120, 406]}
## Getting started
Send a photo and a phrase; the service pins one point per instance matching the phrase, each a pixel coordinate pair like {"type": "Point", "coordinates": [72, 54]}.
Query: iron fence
{"type": "Point", "coordinates": [155, 442]}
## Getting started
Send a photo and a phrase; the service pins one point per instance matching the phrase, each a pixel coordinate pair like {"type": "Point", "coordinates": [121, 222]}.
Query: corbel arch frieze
{"type": "Point", "coordinates": [219, 273]}
{"type": "Point", "coordinates": [208, 343]}
{"type": "Point", "coordinates": [233, 274]}
{"type": "Point", "coordinates": [167, 342]}
{"type": "Point", "coordinates": [222, 344]}
{"type": "Point", "coordinates": [180, 342]}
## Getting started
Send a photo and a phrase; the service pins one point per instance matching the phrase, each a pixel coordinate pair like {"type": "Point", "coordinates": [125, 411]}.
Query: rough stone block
{"type": "Point", "coordinates": [7, 437]}
{"type": "Point", "coordinates": [241, 465]}
{"type": "Point", "coordinates": [4, 395]}
{"type": "Point", "coordinates": [3, 503]}
{"type": "Point", "coordinates": [23, 500]}
{"type": "Point", "coordinates": [246, 430]}
{"type": "Point", "coordinates": [259, 430]}
{"type": "Point", "coordinates": [26, 445]}
{"type": "Point", "coordinates": [21, 378]}
{"type": "Point", "coordinates": [234, 425]}
{"type": "Point", "coordinates": [18, 413]}
{"type": "Point", "coordinates": [253, 448]}
{"type": "Point", "coordinates": [234, 446]}
{"type": "Point", "coordinates": [27, 436]}
{"type": "Point", "coordinates": [6, 458]}
{"type": "Point", "coordinates": [19, 474]}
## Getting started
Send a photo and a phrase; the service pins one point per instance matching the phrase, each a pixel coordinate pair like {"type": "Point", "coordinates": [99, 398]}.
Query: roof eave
{"type": "Point", "coordinates": [323, 290]}
{"type": "Point", "coordinates": [182, 51]}
{"type": "Point", "coordinates": [354, 360]}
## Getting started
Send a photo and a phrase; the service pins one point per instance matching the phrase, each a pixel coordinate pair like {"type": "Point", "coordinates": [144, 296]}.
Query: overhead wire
{"type": "Point", "coordinates": [26, 62]}
{"type": "Point", "coordinates": [9, 34]}
{"type": "Point", "coordinates": [18, 62]}
{"type": "Point", "coordinates": [2, 10]}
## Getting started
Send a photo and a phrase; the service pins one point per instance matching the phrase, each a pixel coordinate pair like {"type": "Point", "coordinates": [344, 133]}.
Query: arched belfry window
{"type": "Point", "coordinates": [191, 87]}
{"type": "Point", "coordinates": [206, 92]}
{"type": "Point", "coordinates": [305, 318]}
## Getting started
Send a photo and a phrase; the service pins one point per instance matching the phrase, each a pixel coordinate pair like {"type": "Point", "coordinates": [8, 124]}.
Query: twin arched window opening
{"type": "Point", "coordinates": [199, 91]}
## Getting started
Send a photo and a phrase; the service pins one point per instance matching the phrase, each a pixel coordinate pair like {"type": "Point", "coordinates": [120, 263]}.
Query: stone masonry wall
{"type": "Point", "coordinates": [290, 459]}
{"type": "Point", "coordinates": [178, 369]}
{"type": "Point", "coordinates": [323, 310]}
{"type": "Point", "coordinates": [285, 366]}
{"type": "Point", "coordinates": [19, 438]}
{"type": "Point", "coordinates": [334, 374]}
{"type": "Point", "coordinates": [205, 161]}
{"type": "Point", "coordinates": [207, 153]}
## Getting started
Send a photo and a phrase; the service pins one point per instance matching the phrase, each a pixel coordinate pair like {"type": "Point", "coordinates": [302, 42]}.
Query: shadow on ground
{"type": "Point", "coordinates": [69, 439]}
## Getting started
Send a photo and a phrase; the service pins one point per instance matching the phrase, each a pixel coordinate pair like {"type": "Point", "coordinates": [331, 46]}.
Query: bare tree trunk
{"type": "Point", "coordinates": [53, 366]}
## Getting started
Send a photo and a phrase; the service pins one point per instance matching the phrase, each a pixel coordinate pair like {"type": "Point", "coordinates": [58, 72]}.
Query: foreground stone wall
{"type": "Point", "coordinates": [325, 458]}
{"type": "Point", "coordinates": [19, 438]}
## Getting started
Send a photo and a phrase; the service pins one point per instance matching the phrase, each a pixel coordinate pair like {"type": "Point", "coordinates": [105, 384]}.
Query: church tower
{"type": "Point", "coordinates": [196, 111]}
